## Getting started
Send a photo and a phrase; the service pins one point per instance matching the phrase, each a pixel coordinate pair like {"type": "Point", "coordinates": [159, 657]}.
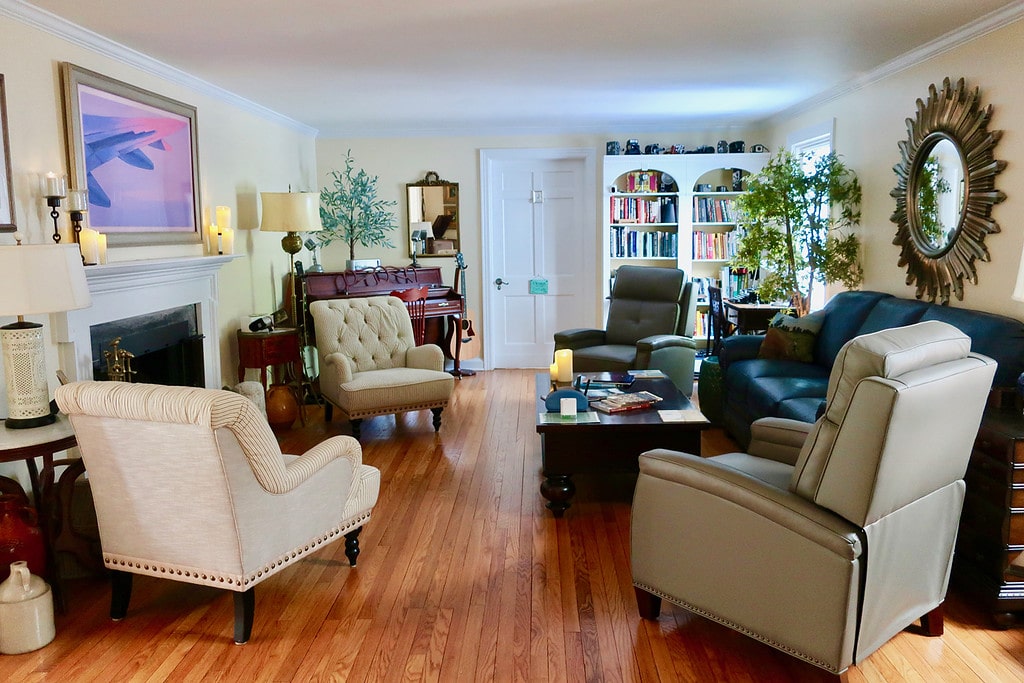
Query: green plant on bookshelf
{"type": "Point", "coordinates": [795, 225]}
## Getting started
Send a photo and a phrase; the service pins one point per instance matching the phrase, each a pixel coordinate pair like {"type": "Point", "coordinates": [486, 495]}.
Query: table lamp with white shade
{"type": "Point", "coordinates": [36, 279]}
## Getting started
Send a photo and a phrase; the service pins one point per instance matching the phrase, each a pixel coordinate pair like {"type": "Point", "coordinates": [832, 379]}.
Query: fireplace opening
{"type": "Point", "coordinates": [166, 345]}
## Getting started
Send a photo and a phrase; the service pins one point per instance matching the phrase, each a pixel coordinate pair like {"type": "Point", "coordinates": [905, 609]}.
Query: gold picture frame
{"type": "Point", "coordinates": [137, 154]}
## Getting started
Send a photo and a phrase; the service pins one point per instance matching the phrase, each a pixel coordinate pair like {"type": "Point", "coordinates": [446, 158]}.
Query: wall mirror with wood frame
{"type": "Point", "coordinates": [433, 226]}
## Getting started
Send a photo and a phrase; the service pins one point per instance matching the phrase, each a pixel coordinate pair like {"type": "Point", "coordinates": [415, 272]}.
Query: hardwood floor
{"type": "Point", "coordinates": [465, 576]}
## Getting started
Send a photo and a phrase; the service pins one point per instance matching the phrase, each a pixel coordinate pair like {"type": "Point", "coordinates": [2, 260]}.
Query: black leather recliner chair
{"type": "Point", "coordinates": [650, 326]}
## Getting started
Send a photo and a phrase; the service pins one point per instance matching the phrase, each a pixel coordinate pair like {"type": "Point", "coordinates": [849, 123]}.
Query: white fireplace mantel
{"type": "Point", "coordinates": [131, 288]}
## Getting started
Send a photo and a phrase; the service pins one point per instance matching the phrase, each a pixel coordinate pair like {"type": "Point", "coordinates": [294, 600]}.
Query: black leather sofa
{"type": "Point", "coordinates": [753, 388]}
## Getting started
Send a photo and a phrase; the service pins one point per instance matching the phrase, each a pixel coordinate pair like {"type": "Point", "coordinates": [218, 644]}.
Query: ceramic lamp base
{"type": "Point", "coordinates": [28, 397]}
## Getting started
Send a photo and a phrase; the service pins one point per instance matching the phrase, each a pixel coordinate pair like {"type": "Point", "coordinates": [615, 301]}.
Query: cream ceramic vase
{"type": "Point", "coordinates": [26, 611]}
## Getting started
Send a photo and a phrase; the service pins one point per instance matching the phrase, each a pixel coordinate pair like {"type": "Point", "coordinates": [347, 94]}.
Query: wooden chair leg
{"type": "Point", "coordinates": [647, 604]}
{"type": "Point", "coordinates": [352, 546]}
{"type": "Point", "coordinates": [437, 418]}
{"type": "Point", "coordinates": [328, 410]}
{"type": "Point", "coordinates": [245, 606]}
{"type": "Point", "coordinates": [932, 623]}
{"type": "Point", "coordinates": [120, 594]}
{"type": "Point", "coordinates": [356, 428]}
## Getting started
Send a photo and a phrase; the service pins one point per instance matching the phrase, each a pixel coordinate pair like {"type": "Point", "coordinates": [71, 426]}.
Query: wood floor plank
{"type": "Point", "coordinates": [466, 576]}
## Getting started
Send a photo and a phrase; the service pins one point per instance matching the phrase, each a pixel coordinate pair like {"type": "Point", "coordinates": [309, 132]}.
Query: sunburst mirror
{"type": "Point", "coordinates": [945, 191]}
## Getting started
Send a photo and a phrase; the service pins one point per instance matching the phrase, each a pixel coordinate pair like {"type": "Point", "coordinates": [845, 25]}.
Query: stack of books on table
{"type": "Point", "coordinates": [619, 403]}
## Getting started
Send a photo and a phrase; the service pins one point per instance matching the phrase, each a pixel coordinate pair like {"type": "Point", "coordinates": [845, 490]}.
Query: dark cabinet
{"type": "Point", "coordinates": [992, 524]}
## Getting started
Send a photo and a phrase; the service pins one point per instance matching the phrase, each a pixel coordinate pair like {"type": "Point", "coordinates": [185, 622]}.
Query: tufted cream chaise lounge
{"type": "Point", "coordinates": [190, 484]}
{"type": "Point", "coordinates": [370, 364]}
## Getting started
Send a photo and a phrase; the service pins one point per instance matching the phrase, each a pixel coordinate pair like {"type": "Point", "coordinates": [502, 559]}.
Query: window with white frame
{"type": "Point", "coordinates": [810, 144]}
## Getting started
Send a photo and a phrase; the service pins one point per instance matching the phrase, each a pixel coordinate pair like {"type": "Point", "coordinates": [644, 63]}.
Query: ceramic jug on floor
{"type": "Point", "coordinates": [26, 611]}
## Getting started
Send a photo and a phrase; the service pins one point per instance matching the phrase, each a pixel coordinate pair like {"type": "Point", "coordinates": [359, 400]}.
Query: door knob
{"type": "Point", "coordinates": [499, 282]}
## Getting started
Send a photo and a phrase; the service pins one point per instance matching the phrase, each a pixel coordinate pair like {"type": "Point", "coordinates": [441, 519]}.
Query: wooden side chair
{"type": "Point", "coordinates": [416, 301]}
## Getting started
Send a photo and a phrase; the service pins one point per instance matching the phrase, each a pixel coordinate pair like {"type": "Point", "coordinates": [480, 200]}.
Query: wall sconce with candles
{"type": "Point", "coordinates": [54, 189]}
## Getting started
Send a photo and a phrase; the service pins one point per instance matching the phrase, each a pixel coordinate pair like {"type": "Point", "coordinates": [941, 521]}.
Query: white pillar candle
{"type": "Point", "coordinates": [563, 358]}
{"type": "Point", "coordinates": [77, 200]}
{"type": "Point", "coordinates": [213, 239]}
{"type": "Point", "coordinates": [227, 240]}
{"type": "Point", "coordinates": [554, 372]}
{"type": "Point", "coordinates": [568, 406]}
{"type": "Point", "coordinates": [223, 214]}
{"type": "Point", "coordinates": [90, 244]}
{"type": "Point", "coordinates": [56, 185]}
{"type": "Point", "coordinates": [102, 239]}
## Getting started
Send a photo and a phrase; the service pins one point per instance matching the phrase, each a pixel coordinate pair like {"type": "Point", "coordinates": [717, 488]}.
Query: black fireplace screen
{"type": "Point", "coordinates": [166, 346]}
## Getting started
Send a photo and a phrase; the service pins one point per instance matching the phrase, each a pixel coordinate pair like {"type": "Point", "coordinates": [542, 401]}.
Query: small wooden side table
{"type": "Point", "coordinates": [264, 349]}
{"type": "Point", "coordinates": [272, 348]}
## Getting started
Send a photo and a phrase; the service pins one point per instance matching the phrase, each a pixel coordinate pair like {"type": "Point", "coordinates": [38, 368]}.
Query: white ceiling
{"type": "Point", "coordinates": [406, 67]}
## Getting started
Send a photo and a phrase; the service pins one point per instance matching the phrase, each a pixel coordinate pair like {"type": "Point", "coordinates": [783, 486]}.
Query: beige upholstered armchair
{"type": "Point", "coordinates": [189, 484]}
{"type": "Point", "coordinates": [370, 364]}
{"type": "Point", "coordinates": [824, 540]}
{"type": "Point", "coordinates": [650, 326]}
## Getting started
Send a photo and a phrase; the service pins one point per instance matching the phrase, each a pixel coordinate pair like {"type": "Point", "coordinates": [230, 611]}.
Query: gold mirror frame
{"type": "Point", "coordinates": [953, 114]}
{"type": "Point", "coordinates": [444, 201]}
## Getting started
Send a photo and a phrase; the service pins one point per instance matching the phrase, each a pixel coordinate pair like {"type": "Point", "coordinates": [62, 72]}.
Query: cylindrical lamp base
{"type": "Point", "coordinates": [28, 396]}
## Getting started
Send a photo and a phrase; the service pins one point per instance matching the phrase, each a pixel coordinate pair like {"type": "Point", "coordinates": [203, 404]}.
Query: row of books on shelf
{"type": "Point", "coordinates": [627, 243]}
{"type": "Point", "coordinates": [714, 245]}
{"type": "Point", "coordinates": [713, 210]}
{"type": "Point", "coordinates": [732, 281]}
{"type": "Point", "coordinates": [641, 210]}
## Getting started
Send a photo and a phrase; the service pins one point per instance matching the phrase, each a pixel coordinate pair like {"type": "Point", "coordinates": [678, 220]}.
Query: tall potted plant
{"type": "Point", "coordinates": [795, 226]}
{"type": "Point", "coordinates": [352, 212]}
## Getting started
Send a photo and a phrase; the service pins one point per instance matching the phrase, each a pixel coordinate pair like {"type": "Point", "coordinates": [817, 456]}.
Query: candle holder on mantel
{"type": "Point", "coordinates": [55, 188]}
{"type": "Point", "coordinates": [77, 207]}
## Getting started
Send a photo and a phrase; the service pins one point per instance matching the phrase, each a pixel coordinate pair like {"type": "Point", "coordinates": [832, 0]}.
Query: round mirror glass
{"type": "Point", "coordinates": [938, 199]}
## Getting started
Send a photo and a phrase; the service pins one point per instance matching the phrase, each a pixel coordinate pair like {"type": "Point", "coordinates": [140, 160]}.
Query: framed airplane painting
{"type": "Point", "coordinates": [136, 153]}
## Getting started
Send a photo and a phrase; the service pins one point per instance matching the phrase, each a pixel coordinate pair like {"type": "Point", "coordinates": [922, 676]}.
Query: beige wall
{"type": "Point", "coordinates": [871, 121]}
{"type": "Point", "coordinates": [240, 154]}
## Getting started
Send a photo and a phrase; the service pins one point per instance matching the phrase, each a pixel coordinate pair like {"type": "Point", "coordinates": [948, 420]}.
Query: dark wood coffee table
{"type": "Point", "coordinates": [612, 445]}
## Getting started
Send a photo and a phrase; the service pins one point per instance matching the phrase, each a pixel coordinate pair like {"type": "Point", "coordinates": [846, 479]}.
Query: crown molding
{"type": "Point", "coordinates": [954, 39]}
{"type": "Point", "coordinates": [73, 33]}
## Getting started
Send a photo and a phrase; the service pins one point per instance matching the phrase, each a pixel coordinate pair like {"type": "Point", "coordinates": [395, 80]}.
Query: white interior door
{"type": "Point", "coordinates": [540, 264]}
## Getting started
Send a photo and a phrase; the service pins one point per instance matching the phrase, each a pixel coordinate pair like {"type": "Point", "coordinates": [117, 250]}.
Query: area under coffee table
{"type": "Point", "coordinates": [612, 445]}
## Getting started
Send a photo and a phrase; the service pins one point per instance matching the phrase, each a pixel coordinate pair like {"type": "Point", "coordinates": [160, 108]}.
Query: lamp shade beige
{"type": "Point", "coordinates": [42, 278]}
{"type": "Point", "coordinates": [290, 212]}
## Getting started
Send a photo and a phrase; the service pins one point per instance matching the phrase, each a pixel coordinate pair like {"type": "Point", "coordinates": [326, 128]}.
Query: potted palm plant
{"type": "Point", "coordinates": [794, 224]}
{"type": "Point", "coordinates": [351, 211]}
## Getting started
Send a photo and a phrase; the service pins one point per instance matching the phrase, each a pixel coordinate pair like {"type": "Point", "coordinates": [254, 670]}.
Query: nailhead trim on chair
{"type": "Point", "coordinates": [736, 627]}
{"type": "Point", "coordinates": [234, 581]}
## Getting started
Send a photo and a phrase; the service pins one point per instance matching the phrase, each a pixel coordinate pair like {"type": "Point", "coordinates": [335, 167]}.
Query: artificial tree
{"type": "Point", "coordinates": [794, 222]}
{"type": "Point", "coordinates": [352, 212]}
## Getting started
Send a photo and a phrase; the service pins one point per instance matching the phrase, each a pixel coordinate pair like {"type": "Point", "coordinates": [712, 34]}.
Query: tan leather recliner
{"type": "Point", "coordinates": [189, 484]}
{"type": "Point", "coordinates": [824, 540]}
{"type": "Point", "coordinates": [370, 363]}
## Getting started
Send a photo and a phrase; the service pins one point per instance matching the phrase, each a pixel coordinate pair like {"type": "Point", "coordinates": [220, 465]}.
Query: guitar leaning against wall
{"type": "Point", "coordinates": [463, 341]}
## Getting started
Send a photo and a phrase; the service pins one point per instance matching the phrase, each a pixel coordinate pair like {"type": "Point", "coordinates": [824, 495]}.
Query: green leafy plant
{"type": "Point", "coordinates": [794, 226]}
{"type": "Point", "coordinates": [352, 212]}
{"type": "Point", "coordinates": [932, 185]}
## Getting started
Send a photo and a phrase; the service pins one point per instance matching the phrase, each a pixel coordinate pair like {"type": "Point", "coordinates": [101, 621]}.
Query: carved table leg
{"type": "Point", "coordinates": [437, 418]}
{"type": "Point", "coordinates": [558, 489]}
